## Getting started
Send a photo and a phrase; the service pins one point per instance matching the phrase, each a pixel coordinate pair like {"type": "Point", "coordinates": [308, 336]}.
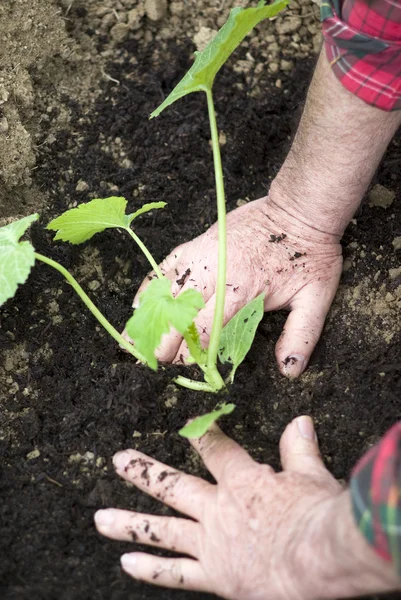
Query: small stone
{"type": "Point", "coordinates": [94, 285]}
{"type": "Point", "coordinates": [102, 10]}
{"type": "Point", "coordinates": [119, 32]}
{"type": "Point", "coordinates": [273, 67]}
{"type": "Point", "coordinates": [286, 65]}
{"type": "Point", "coordinates": [222, 138]}
{"type": "Point", "coordinates": [107, 21]}
{"type": "Point", "coordinates": [81, 186]}
{"type": "Point", "coordinates": [4, 94]}
{"type": "Point", "coordinates": [347, 265]}
{"type": "Point", "coordinates": [27, 25]}
{"type": "Point", "coordinates": [389, 297]}
{"type": "Point", "coordinates": [397, 243]}
{"type": "Point", "coordinates": [203, 37]}
{"type": "Point", "coordinates": [34, 454]}
{"type": "Point", "coordinates": [394, 273]}
{"type": "Point", "coordinates": [241, 202]}
{"type": "Point", "coordinates": [177, 8]}
{"type": "Point", "coordinates": [51, 138]}
{"type": "Point", "coordinates": [279, 83]}
{"type": "Point", "coordinates": [288, 24]}
{"type": "Point", "coordinates": [3, 125]}
{"type": "Point", "coordinates": [381, 196]}
{"type": "Point", "coordinates": [135, 17]}
{"type": "Point", "coordinates": [155, 9]}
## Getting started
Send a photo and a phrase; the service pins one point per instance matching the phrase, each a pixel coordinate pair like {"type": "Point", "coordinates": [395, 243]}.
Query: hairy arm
{"type": "Point", "coordinates": [338, 146]}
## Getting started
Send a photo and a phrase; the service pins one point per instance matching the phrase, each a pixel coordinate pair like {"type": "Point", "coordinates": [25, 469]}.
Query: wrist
{"type": "Point", "coordinates": [336, 559]}
{"type": "Point", "coordinates": [302, 209]}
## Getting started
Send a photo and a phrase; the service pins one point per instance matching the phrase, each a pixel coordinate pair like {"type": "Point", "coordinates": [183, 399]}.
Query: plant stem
{"type": "Point", "coordinates": [146, 252]}
{"type": "Point", "coordinates": [199, 386]}
{"type": "Point", "coordinates": [222, 249]}
{"type": "Point", "coordinates": [88, 302]}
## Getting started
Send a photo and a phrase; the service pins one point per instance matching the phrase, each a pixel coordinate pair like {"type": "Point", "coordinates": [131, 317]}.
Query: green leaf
{"type": "Point", "coordinates": [144, 209]}
{"type": "Point", "coordinates": [80, 224]}
{"type": "Point", "coordinates": [207, 63]}
{"type": "Point", "coordinates": [200, 425]}
{"type": "Point", "coordinates": [237, 336]}
{"type": "Point", "coordinates": [197, 353]}
{"type": "Point", "coordinates": [158, 311]}
{"type": "Point", "coordinates": [16, 258]}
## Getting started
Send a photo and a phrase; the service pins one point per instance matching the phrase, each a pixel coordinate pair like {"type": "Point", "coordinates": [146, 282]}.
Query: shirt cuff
{"type": "Point", "coordinates": [366, 65]}
{"type": "Point", "coordinates": [375, 488]}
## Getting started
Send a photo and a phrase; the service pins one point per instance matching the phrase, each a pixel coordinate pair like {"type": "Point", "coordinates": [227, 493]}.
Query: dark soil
{"type": "Point", "coordinates": [77, 392]}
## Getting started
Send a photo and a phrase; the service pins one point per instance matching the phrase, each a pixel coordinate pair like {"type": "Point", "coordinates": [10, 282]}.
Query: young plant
{"type": "Point", "coordinates": [158, 310]}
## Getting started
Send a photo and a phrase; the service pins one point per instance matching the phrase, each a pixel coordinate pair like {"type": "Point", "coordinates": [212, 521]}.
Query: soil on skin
{"type": "Point", "coordinates": [69, 397]}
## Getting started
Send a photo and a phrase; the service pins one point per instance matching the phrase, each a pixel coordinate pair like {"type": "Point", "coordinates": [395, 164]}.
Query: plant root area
{"type": "Point", "coordinates": [69, 397]}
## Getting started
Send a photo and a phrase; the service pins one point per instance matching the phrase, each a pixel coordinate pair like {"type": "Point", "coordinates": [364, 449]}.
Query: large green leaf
{"type": "Point", "coordinates": [80, 224]}
{"type": "Point", "coordinates": [237, 336]}
{"type": "Point", "coordinates": [16, 258]}
{"type": "Point", "coordinates": [200, 425]}
{"type": "Point", "coordinates": [207, 63]}
{"type": "Point", "coordinates": [158, 311]}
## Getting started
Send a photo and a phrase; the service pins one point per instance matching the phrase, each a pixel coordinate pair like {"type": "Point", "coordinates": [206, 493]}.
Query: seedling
{"type": "Point", "coordinates": [158, 310]}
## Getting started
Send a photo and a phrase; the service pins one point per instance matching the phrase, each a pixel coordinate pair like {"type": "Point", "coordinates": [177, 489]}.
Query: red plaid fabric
{"type": "Point", "coordinates": [363, 46]}
{"type": "Point", "coordinates": [376, 496]}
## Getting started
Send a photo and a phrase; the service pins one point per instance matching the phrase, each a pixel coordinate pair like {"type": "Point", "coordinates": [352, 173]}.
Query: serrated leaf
{"type": "Point", "coordinates": [158, 311]}
{"type": "Point", "coordinates": [80, 224]}
{"type": "Point", "coordinates": [16, 258]}
{"type": "Point", "coordinates": [208, 62]}
{"type": "Point", "coordinates": [200, 425]}
{"type": "Point", "coordinates": [237, 336]}
{"type": "Point", "coordinates": [144, 209]}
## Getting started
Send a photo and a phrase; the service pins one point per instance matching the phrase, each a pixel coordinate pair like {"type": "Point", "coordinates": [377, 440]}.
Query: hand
{"type": "Point", "coordinates": [250, 536]}
{"type": "Point", "coordinates": [268, 250]}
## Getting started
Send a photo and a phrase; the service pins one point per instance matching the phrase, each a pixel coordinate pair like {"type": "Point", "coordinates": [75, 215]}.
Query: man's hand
{"type": "Point", "coordinates": [297, 266]}
{"type": "Point", "coordinates": [256, 535]}
{"type": "Point", "coordinates": [337, 148]}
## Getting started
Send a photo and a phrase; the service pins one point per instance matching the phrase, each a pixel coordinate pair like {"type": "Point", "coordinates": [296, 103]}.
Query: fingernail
{"type": "Point", "coordinates": [120, 460]}
{"type": "Point", "coordinates": [104, 518]}
{"type": "Point", "coordinates": [128, 561]}
{"type": "Point", "coordinates": [306, 428]}
{"type": "Point", "coordinates": [293, 365]}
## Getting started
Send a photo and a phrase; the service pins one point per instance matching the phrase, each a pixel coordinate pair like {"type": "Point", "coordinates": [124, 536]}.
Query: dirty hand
{"type": "Point", "coordinates": [256, 535]}
{"type": "Point", "coordinates": [268, 250]}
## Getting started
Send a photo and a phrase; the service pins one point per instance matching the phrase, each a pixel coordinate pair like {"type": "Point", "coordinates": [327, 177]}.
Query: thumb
{"type": "Point", "coordinates": [299, 449]}
{"type": "Point", "coordinates": [302, 330]}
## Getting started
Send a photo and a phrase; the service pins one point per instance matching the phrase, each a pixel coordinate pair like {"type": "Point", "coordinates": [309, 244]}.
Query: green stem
{"type": "Point", "coordinates": [146, 252]}
{"type": "Point", "coordinates": [199, 386]}
{"type": "Point", "coordinates": [88, 302]}
{"type": "Point", "coordinates": [222, 249]}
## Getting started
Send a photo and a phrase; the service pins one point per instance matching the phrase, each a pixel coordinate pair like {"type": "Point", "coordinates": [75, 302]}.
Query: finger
{"type": "Point", "coordinates": [185, 493]}
{"type": "Point", "coordinates": [302, 330]}
{"type": "Point", "coordinates": [221, 455]}
{"type": "Point", "coordinates": [182, 573]}
{"type": "Point", "coordinates": [299, 449]}
{"type": "Point", "coordinates": [178, 535]}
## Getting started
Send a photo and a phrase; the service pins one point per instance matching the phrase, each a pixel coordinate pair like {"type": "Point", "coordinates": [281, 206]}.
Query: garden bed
{"type": "Point", "coordinates": [69, 398]}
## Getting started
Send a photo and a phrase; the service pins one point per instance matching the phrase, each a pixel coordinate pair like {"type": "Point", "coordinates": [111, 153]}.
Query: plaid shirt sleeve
{"type": "Point", "coordinates": [376, 496]}
{"type": "Point", "coordinates": [363, 45]}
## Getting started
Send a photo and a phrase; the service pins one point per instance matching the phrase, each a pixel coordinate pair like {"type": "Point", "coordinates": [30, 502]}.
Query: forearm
{"type": "Point", "coordinates": [337, 559]}
{"type": "Point", "coordinates": [338, 146]}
